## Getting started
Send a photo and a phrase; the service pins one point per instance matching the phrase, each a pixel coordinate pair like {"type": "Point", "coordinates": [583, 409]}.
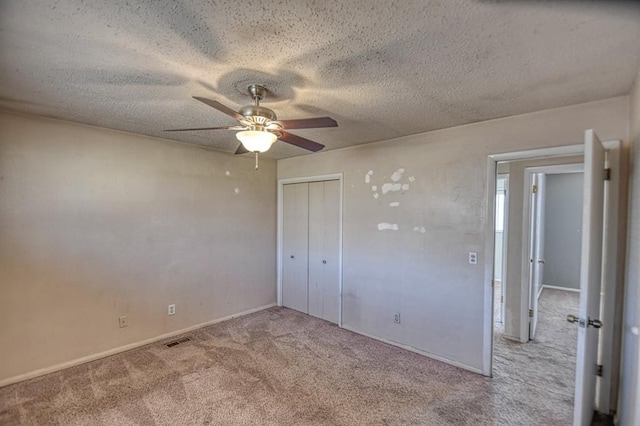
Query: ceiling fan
{"type": "Point", "coordinates": [259, 127]}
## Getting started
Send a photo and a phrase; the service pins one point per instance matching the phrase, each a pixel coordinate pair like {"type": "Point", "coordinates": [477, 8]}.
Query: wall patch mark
{"type": "Point", "coordinates": [397, 175]}
{"type": "Point", "coordinates": [387, 226]}
{"type": "Point", "coordinates": [367, 177]}
{"type": "Point", "coordinates": [391, 187]}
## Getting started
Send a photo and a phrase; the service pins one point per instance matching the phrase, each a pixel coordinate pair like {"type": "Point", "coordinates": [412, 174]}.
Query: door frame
{"type": "Point", "coordinates": [612, 258]}
{"type": "Point", "coordinates": [308, 179]}
{"type": "Point", "coordinates": [492, 172]}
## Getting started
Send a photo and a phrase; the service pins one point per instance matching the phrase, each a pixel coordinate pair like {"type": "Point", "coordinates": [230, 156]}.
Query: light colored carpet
{"type": "Point", "coordinates": [497, 304]}
{"type": "Point", "coordinates": [542, 371]}
{"type": "Point", "coordinates": [280, 367]}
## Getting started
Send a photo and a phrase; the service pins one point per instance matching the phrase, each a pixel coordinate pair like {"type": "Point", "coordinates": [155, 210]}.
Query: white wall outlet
{"type": "Point", "coordinates": [473, 258]}
{"type": "Point", "coordinates": [123, 321]}
{"type": "Point", "coordinates": [171, 310]}
{"type": "Point", "coordinates": [396, 317]}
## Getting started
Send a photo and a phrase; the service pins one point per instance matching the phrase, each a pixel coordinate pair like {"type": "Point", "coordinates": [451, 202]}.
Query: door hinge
{"type": "Point", "coordinates": [530, 313]}
{"type": "Point", "coordinates": [607, 174]}
{"type": "Point", "coordinates": [599, 370]}
{"type": "Point", "coordinates": [534, 189]}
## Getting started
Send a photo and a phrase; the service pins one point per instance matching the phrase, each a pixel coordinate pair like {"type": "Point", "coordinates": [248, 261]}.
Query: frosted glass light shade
{"type": "Point", "coordinates": [256, 141]}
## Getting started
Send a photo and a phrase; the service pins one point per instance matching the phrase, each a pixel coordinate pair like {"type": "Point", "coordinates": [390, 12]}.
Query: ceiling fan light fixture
{"type": "Point", "coordinates": [256, 140]}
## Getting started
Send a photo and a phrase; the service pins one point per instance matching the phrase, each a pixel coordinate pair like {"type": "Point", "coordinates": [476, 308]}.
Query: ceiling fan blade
{"type": "Point", "coordinates": [308, 123]}
{"type": "Point", "coordinates": [222, 108]}
{"type": "Point", "coordinates": [206, 128]}
{"type": "Point", "coordinates": [241, 150]}
{"type": "Point", "coordinates": [300, 141]}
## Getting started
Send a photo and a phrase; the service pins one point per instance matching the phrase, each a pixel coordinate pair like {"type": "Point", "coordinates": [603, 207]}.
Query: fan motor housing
{"type": "Point", "coordinates": [258, 111]}
{"type": "Point", "coordinates": [257, 117]}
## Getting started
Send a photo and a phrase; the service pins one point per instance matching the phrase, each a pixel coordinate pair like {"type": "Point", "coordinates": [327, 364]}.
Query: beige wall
{"type": "Point", "coordinates": [629, 409]}
{"type": "Point", "coordinates": [421, 270]}
{"type": "Point", "coordinates": [97, 224]}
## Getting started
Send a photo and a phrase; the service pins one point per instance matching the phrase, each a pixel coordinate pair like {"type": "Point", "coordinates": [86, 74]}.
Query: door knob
{"type": "Point", "coordinates": [292, 256]}
{"type": "Point", "coordinates": [585, 323]}
{"type": "Point", "coordinates": [541, 261]}
{"type": "Point", "coordinates": [324, 261]}
{"type": "Point", "coordinates": [595, 323]}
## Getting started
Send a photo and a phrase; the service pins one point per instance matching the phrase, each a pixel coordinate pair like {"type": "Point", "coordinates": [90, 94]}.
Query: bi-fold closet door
{"type": "Point", "coordinates": [310, 261]}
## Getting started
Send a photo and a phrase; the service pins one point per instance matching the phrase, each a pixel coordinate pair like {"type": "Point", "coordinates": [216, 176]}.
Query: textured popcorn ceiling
{"type": "Point", "coordinates": [382, 69]}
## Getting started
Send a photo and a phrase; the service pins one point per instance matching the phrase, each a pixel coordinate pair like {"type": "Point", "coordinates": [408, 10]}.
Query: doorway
{"type": "Point", "coordinates": [519, 212]}
{"type": "Point", "coordinates": [555, 233]}
{"type": "Point", "coordinates": [499, 270]}
{"type": "Point", "coordinates": [547, 203]}
{"type": "Point", "coordinates": [519, 295]}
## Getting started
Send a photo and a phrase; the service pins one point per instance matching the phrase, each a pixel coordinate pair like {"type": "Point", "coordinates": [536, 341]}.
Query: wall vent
{"type": "Point", "coordinates": [177, 342]}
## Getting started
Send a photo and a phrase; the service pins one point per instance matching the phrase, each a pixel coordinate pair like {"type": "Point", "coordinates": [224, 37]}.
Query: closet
{"type": "Point", "coordinates": [310, 244]}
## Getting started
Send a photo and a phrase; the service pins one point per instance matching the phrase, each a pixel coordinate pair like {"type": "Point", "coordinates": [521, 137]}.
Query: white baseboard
{"type": "Point", "coordinates": [114, 351]}
{"type": "Point", "coordinates": [418, 351]}
{"type": "Point", "coordinates": [553, 287]}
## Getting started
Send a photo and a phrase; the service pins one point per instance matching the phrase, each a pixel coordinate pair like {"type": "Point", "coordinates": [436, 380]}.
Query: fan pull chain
{"type": "Point", "coordinates": [256, 160]}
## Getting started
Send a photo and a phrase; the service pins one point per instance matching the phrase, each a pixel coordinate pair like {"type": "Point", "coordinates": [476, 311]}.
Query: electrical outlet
{"type": "Point", "coordinates": [124, 322]}
{"type": "Point", "coordinates": [171, 310]}
{"type": "Point", "coordinates": [473, 258]}
{"type": "Point", "coordinates": [396, 317]}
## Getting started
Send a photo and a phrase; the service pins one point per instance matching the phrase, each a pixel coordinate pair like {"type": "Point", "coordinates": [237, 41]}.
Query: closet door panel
{"type": "Point", "coordinates": [331, 245]}
{"type": "Point", "coordinates": [316, 249]}
{"type": "Point", "coordinates": [324, 216]}
{"type": "Point", "coordinates": [295, 244]}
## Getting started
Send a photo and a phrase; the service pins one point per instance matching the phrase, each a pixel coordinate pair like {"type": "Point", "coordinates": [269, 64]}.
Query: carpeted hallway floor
{"type": "Point", "coordinates": [280, 367]}
{"type": "Point", "coordinates": [543, 370]}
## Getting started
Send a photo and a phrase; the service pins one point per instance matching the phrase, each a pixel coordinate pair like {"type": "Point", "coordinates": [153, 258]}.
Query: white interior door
{"type": "Point", "coordinates": [540, 207]}
{"type": "Point", "coordinates": [310, 248]}
{"type": "Point", "coordinates": [533, 232]}
{"type": "Point", "coordinates": [590, 279]}
{"type": "Point", "coordinates": [324, 227]}
{"type": "Point", "coordinates": [295, 246]}
{"type": "Point", "coordinates": [537, 250]}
